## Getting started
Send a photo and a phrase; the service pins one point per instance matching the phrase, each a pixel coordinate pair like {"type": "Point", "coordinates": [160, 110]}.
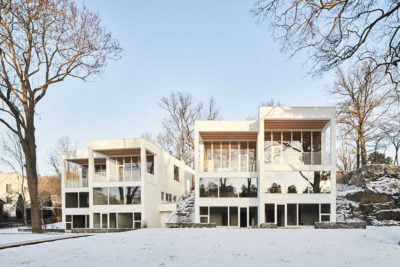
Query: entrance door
{"type": "Point", "coordinates": [243, 217]}
{"type": "Point", "coordinates": [281, 215]}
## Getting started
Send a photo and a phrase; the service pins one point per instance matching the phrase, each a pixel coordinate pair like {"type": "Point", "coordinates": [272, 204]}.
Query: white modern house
{"type": "Point", "coordinates": [278, 169]}
{"type": "Point", "coordinates": [121, 184]}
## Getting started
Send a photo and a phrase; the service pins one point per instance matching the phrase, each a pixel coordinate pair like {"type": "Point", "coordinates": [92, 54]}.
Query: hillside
{"type": "Point", "coordinates": [371, 194]}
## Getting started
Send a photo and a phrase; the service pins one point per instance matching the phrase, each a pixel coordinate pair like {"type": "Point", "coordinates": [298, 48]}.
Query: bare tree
{"type": "Point", "coordinates": [391, 130]}
{"type": "Point", "coordinates": [334, 32]}
{"type": "Point", "coordinates": [271, 103]}
{"type": "Point", "coordinates": [43, 42]}
{"type": "Point", "coordinates": [363, 100]}
{"type": "Point", "coordinates": [63, 144]}
{"type": "Point", "coordinates": [13, 157]}
{"type": "Point", "coordinates": [346, 152]}
{"type": "Point", "coordinates": [177, 136]}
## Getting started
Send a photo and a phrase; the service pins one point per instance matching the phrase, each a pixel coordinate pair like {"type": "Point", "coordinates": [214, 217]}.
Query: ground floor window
{"type": "Point", "coordinates": [293, 214]}
{"type": "Point", "coordinates": [120, 220]}
{"type": "Point", "coordinates": [229, 216]}
{"type": "Point", "coordinates": [76, 221]}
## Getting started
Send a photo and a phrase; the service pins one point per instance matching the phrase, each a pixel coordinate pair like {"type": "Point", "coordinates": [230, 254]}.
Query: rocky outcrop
{"type": "Point", "coordinates": [370, 194]}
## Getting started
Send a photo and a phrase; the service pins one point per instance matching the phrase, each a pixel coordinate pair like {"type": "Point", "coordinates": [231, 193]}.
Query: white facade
{"type": "Point", "coordinates": [279, 169]}
{"type": "Point", "coordinates": [12, 185]}
{"type": "Point", "coordinates": [125, 183]}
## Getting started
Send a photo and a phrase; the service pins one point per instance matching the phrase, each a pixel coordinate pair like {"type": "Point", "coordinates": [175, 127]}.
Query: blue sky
{"type": "Point", "coordinates": [209, 48]}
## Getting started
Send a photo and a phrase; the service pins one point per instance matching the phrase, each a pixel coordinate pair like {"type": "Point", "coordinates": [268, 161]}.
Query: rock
{"type": "Point", "coordinates": [368, 196]}
{"type": "Point", "coordinates": [340, 225]}
{"type": "Point", "coordinates": [388, 215]}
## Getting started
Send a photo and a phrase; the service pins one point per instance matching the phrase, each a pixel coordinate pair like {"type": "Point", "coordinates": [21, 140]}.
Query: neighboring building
{"type": "Point", "coordinates": [125, 183]}
{"type": "Point", "coordinates": [12, 185]}
{"type": "Point", "coordinates": [279, 169]}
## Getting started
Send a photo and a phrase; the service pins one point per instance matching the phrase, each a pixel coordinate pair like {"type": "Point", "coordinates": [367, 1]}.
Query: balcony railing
{"type": "Point", "coordinates": [76, 183]}
{"type": "Point", "coordinates": [133, 176]}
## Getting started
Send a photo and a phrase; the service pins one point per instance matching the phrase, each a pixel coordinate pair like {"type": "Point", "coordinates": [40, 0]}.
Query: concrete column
{"type": "Point", "coordinates": [333, 169]}
{"type": "Point", "coordinates": [143, 172]}
{"type": "Point", "coordinates": [91, 173]}
{"type": "Point", "coordinates": [260, 162]}
{"type": "Point", "coordinates": [197, 169]}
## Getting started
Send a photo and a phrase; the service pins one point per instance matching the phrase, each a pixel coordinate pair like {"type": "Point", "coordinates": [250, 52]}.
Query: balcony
{"type": "Point", "coordinates": [76, 183]}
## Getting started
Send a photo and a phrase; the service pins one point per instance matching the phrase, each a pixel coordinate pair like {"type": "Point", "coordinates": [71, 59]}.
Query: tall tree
{"type": "Point", "coordinates": [177, 135]}
{"type": "Point", "coordinates": [334, 32]}
{"type": "Point", "coordinates": [42, 43]}
{"type": "Point", "coordinates": [63, 144]}
{"type": "Point", "coordinates": [363, 100]}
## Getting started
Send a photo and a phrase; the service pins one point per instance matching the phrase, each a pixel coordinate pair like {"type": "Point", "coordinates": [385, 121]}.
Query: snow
{"type": "Point", "coordinates": [375, 246]}
{"type": "Point", "coordinates": [11, 235]}
{"type": "Point", "coordinates": [386, 185]}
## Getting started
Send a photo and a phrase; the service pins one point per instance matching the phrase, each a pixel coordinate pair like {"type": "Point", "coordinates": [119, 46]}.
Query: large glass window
{"type": "Point", "coordinates": [275, 182]}
{"type": "Point", "coordinates": [96, 220]}
{"type": "Point", "coordinates": [100, 196]}
{"type": "Point", "coordinates": [132, 195]}
{"type": "Point", "coordinates": [150, 164]}
{"type": "Point", "coordinates": [249, 187]}
{"type": "Point", "coordinates": [176, 173]}
{"type": "Point", "coordinates": [116, 195]}
{"type": "Point", "coordinates": [308, 214]}
{"type": "Point", "coordinates": [232, 156]}
{"type": "Point", "coordinates": [71, 200]}
{"type": "Point", "coordinates": [252, 156]}
{"type": "Point", "coordinates": [219, 216]}
{"type": "Point", "coordinates": [113, 220]}
{"type": "Point", "coordinates": [208, 167]}
{"type": "Point", "coordinates": [208, 187]}
{"type": "Point", "coordinates": [228, 187]}
{"type": "Point", "coordinates": [104, 220]}
{"type": "Point", "coordinates": [244, 157]}
{"type": "Point", "coordinates": [125, 220]}
{"type": "Point", "coordinates": [233, 216]}
{"type": "Point", "coordinates": [84, 199]}
{"type": "Point", "coordinates": [268, 147]}
{"type": "Point", "coordinates": [292, 147]}
{"type": "Point", "coordinates": [217, 156]}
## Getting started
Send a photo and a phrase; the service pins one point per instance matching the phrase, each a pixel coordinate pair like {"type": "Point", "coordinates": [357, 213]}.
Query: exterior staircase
{"type": "Point", "coordinates": [184, 212]}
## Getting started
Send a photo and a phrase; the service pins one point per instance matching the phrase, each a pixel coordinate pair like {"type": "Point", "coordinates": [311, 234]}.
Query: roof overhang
{"type": "Point", "coordinates": [295, 124]}
{"type": "Point", "coordinates": [228, 135]}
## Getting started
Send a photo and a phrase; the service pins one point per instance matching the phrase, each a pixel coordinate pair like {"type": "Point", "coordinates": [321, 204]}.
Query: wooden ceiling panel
{"type": "Point", "coordinates": [294, 124]}
{"type": "Point", "coordinates": [86, 161]}
{"type": "Point", "coordinates": [119, 152]}
{"type": "Point", "coordinates": [228, 135]}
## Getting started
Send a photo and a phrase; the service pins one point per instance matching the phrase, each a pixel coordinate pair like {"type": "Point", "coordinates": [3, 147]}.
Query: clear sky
{"type": "Point", "coordinates": [209, 48]}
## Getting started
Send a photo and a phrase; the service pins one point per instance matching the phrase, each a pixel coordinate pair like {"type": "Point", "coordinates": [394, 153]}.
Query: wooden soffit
{"type": "Point", "coordinates": [119, 152]}
{"type": "Point", "coordinates": [79, 161]}
{"type": "Point", "coordinates": [294, 124]}
{"type": "Point", "coordinates": [228, 135]}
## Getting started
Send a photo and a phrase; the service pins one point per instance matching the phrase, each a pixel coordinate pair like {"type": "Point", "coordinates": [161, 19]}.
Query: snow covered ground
{"type": "Point", "coordinates": [376, 246]}
{"type": "Point", "coordinates": [11, 235]}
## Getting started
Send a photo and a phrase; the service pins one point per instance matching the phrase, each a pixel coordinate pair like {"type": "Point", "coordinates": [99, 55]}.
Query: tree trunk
{"type": "Point", "coordinates": [363, 150]}
{"type": "Point", "coordinates": [28, 143]}
{"type": "Point", "coordinates": [358, 152]}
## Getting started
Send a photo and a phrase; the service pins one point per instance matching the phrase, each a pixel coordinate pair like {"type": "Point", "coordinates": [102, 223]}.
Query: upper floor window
{"type": "Point", "coordinates": [230, 156]}
{"type": "Point", "coordinates": [292, 147]}
{"type": "Point", "coordinates": [84, 171]}
{"type": "Point", "coordinates": [300, 182]}
{"type": "Point", "coordinates": [228, 187]}
{"type": "Point", "coordinates": [123, 168]}
{"type": "Point", "coordinates": [150, 164]}
{"type": "Point", "coordinates": [176, 173]}
{"type": "Point", "coordinates": [100, 169]}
